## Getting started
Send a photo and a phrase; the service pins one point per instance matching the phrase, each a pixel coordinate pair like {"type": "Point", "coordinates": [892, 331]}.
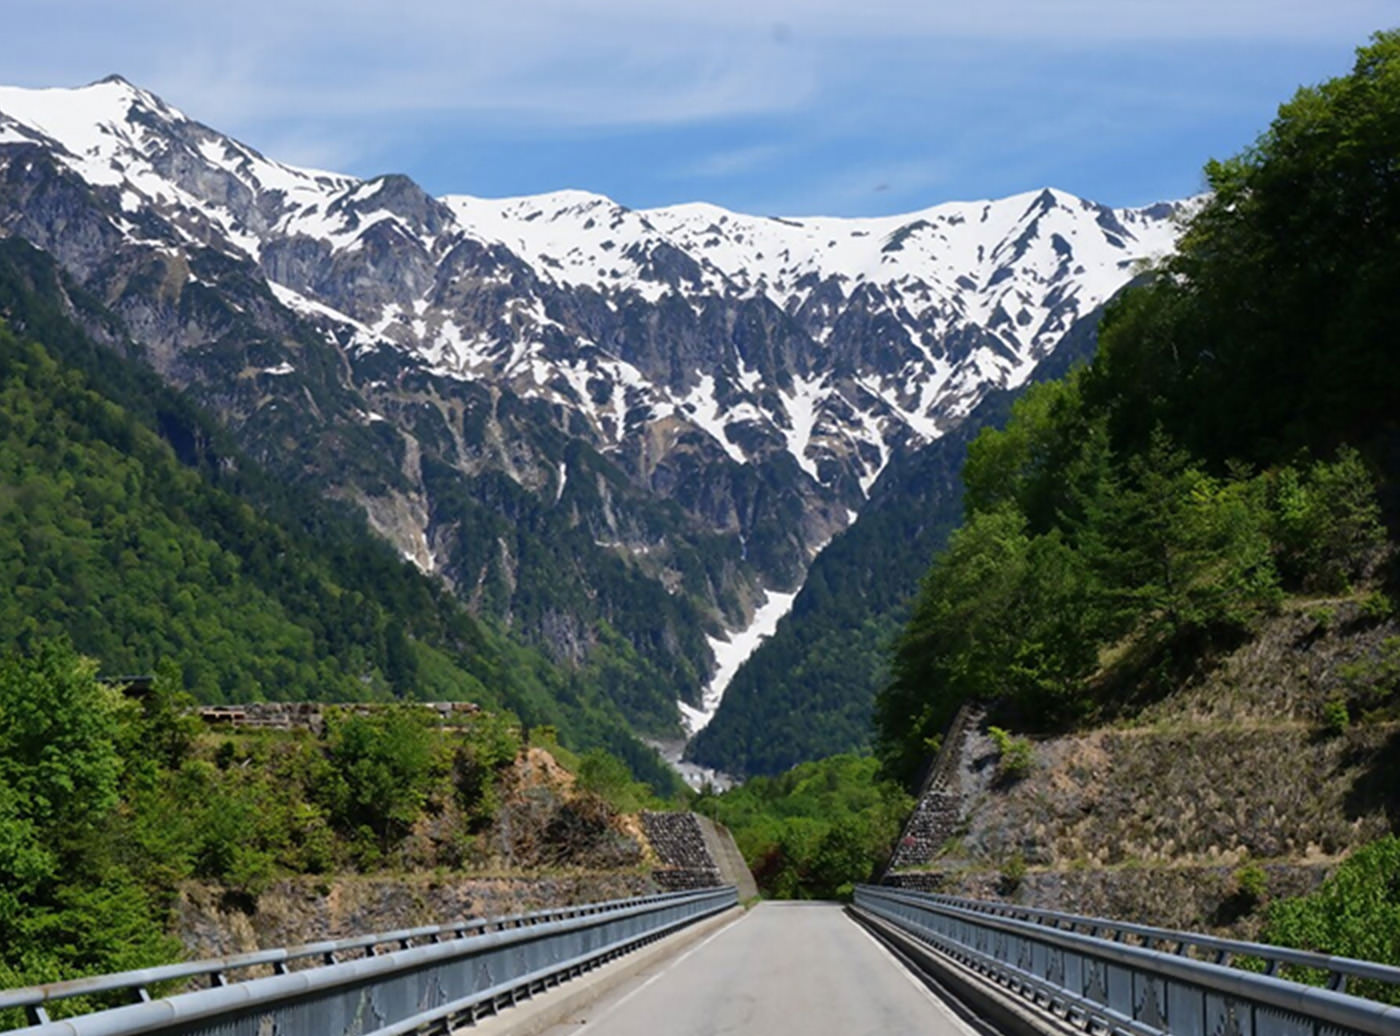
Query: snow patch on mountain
{"type": "Point", "coordinates": [802, 405]}
{"type": "Point", "coordinates": [703, 409]}
{"type": "Point", "coordinates": [731, 653]}
{"type": "Point", "coordinates": [837, 341]}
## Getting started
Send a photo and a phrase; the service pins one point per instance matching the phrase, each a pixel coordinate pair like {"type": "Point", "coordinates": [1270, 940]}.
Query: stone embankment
{"type": "Point", "coordinates": [303, 715]}
{"type": "Point", "coordinates": [1192, 897]}
{"type": "Point", "coordinates": [695, 852]}
{"type": "Point", "coordinates": [679, 844]}
{"type": "Point", "coordinates": [211, 921]}
{"type": "Point", "coordinates": [939, 810]}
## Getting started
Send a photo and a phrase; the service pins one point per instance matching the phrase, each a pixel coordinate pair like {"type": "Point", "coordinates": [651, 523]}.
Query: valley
{"type": "Point", "coordinates": [616, 432]}
{"type": "Point", "coordinates": [371, 553]}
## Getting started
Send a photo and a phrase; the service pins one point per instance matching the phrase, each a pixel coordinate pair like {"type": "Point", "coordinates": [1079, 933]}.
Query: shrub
{"type": "Point", "coordinates": [1013, 754]}
{"type": "Point", "coordinates": [608, 777]}
{"type": "Point", "coordinates": [1251, 883]}
{"type": "Point", "coordinates": [1013, 872]}
{"type": "Point", "coordinates": [1327, 524]}
{"type": "Point", "coordinates": [1374, 682]}
{"type": "Point", "coordinates": [1377, 607]}
{"type": "Point", "coordinates": [1335, 716]}
{"type": "Point", "coordinates": [1323, 615]}
{"type": "Point", "coordinates": [380, 769]}
{"type": "Point", "coordinates": [1354, 913]}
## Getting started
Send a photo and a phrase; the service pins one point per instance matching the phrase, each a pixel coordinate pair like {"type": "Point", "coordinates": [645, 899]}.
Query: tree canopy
{"type": "Point", "coordinates": [1234, 439]}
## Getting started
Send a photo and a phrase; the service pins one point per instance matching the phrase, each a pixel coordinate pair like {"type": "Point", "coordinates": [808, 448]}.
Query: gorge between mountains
{"type": "Point", "coordinates": [622, 435]}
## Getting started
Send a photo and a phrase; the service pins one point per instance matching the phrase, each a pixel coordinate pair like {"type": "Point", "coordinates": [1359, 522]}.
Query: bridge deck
{"type": "Point", "coordinates": [784, 968]}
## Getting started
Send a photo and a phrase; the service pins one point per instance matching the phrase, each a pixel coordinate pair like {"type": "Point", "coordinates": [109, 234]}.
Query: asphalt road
{"type": "Point", "coordinates": [799, 968]}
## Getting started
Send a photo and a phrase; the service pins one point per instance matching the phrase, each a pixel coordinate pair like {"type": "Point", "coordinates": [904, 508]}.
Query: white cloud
{"type": "Point", "coordinates": [732, 161]}
{"type": "Point", "coordinates": [609, 62]}
{"type": "Point", "coordinates": [866, 107]}
{"type": "Point", "coordinates": [866, 188]}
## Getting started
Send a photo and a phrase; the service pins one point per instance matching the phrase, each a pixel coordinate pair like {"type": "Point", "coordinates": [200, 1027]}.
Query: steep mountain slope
{"type": "Point", "coordinates": [616, 430]}
{"type": "Point", "coordinates": [132, 526]}
{"type": "Point", "coordinates": [807, 691]}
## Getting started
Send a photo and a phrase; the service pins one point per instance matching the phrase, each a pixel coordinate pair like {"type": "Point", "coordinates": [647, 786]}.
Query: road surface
{"type": "Point", "coordinates": [783, 968]}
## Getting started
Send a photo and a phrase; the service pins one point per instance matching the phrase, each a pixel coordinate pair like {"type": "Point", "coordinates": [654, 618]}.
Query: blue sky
{"type": "Point", "coordinates": [770, 106]}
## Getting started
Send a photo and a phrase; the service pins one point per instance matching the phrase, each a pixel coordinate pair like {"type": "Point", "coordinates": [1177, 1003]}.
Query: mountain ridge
{"type": "Point", "coordinates": [830, 652]}
{"type": "Point", "coordinates": [682, 399]}
{"type": "Point", "coordinates": [720, 246]}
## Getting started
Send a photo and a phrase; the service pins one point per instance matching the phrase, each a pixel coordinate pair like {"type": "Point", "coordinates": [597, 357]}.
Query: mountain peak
{"type": "Point", "coordinates": [769, 303]}
{"type": "Point", "coordinates": [118, 86]}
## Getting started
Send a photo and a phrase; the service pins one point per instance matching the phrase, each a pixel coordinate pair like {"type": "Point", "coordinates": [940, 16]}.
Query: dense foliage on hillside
{"type": "Point", "coordinates": [102, 539]}
{"type": "Point", "coordinates": [104, 804]}
{"type": "Point", "coordinates": [133, 527]}
{"type": "Point", "coordinates": [107, 802]}
{"type": "Point", "coordinates": [1272, 332]}
{"type": "Point", "coordinates": [813, 831]}
{"type": "Point", "coordinates": [1355, 913]}
{"type": "Point", "coordinates": [1156, 504]}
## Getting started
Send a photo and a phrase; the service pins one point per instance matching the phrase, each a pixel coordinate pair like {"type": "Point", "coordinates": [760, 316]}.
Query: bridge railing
{"type": "Point", "coordinates": [1103, 981]}
{"type": "Point", "coordinates": [429, 979]}
{"type": "Point", "coordinates": [1333, 972]}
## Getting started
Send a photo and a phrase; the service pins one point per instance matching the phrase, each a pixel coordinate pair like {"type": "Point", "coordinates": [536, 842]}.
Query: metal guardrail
{"type": "Point", "coordinates": [1225, 952]}
{"type": "Point", "coordinates": [437, 977]}
{"type": "Point", "coordinates": [1111, 986]}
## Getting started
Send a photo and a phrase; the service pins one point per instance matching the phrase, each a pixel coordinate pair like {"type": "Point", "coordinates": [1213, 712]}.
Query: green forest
{"type": "Point", "coordinates": [108, 800]}
{"type": "Point", "coordinates": [1234, 440]}
{"type": "Point", "coordinates": [814, 831]}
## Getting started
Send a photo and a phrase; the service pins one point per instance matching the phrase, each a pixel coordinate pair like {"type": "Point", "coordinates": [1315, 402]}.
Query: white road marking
{"type": "Point", "coordinates": [948, 1013]}
{"type": "Point", "coordinates": [675, 963]}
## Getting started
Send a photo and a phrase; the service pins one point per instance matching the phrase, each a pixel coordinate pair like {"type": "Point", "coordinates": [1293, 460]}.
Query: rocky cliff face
{"type": "Point", "coordinates": [614, 429]}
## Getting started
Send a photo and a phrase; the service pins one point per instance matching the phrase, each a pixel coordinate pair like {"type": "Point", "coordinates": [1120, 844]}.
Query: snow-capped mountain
{"type": "Point", "coordinates": [705, 394]}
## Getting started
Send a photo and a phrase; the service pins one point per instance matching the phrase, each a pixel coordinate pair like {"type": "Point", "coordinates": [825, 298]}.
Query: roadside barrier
{"type": "Point", "coordinates": [429, 979]}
